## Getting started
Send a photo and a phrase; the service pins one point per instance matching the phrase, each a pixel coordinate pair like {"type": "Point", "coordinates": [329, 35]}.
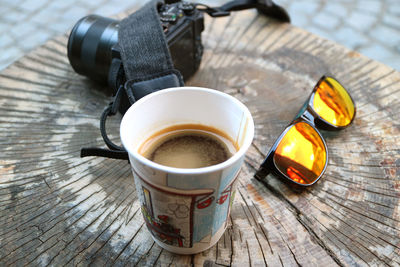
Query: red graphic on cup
{"type": "Point", "coordinates": [205, 202]}
{"type": "Point", "coordinates": [224, 195]}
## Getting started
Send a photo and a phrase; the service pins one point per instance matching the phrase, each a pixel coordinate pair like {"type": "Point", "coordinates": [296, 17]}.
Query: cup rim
{"type": "Point", "coordinates": [220, 166]}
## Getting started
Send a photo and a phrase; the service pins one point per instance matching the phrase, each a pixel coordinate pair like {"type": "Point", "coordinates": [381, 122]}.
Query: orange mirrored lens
{"type": "Point", "coordinates": [301, 154]}
{"type": "Point", "coordinates": [333, 103]}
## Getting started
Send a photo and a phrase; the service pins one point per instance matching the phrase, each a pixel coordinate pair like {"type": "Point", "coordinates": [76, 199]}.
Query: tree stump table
{"type": "Point", "coordinates": [59, 209]}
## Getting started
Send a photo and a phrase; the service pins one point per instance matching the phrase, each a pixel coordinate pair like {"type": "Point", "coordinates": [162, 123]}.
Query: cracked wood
{"type": "Point", "coordinates": [59, 209]}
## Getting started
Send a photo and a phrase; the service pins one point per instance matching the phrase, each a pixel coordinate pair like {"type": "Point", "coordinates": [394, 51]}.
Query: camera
{"type": "Point", "coordinates": [92, 44]}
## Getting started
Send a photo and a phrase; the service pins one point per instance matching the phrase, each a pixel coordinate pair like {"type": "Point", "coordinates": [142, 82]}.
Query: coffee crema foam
{"type": "Point", "coordinates": [188, 146]}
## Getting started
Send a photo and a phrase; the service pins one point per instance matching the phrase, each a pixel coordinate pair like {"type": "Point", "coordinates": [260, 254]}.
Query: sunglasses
{"type": "Point", "coordinates": [300, 155]}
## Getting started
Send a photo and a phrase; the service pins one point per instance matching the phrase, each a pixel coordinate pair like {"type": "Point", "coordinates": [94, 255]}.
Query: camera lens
{"type": "Point", "coordinates": [89, 46]}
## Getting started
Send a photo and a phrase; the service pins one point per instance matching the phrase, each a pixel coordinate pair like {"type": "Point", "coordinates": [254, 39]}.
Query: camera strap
{"type": "Point", "coordinates": [147, 65]}
{"type": "Point", "coordinates": [265, 7]}
{"type": "Point", "coordinates": [144, 51]}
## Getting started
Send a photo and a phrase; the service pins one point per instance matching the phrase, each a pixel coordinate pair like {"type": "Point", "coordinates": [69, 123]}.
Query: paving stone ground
{"type": "Point", "coordinates": [371, 27]}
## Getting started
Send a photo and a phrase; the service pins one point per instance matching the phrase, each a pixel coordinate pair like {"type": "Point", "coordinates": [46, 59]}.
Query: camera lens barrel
{"type": "Point", "coordinates": [89, 46]}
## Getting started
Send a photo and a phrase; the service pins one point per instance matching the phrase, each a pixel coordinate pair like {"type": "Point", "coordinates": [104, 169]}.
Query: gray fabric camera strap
{"type": "Point", "coordinates": [145, 55]}
{"type": "Point", "coordinates": [147, 65]}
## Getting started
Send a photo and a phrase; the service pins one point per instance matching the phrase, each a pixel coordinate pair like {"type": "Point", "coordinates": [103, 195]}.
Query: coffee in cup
{"type": "Point", "coordinates": [188, 146]}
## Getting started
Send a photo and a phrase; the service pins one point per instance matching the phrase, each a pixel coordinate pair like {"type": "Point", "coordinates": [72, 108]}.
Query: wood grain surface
{"type": "Point", "coordinates": [59, 209]}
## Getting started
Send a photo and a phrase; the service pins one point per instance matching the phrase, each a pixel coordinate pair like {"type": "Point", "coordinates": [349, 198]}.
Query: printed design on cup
{"type": "Point", "coordinates": [178, 210]}
{"type": "Point", "coordinates": [211, 212]}
{"type": "Point", "coordinates": [169, 213]}
{"type": "Point", "coordinates": [183, 212]}
{"type": "Point", "coordinates": [160, 226]}
{"type": "Point", "coordinates": [224, 195]}
{"type": "Point", "coordinates": [225, 200]}
{"type": "Point", "coordinates": [204, 202]}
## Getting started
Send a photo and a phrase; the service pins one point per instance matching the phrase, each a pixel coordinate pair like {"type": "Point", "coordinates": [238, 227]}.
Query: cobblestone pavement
{"type": "Point", "coordinates": [371, 27]}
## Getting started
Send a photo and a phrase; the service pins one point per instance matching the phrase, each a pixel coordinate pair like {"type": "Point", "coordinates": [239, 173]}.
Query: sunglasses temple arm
{"type": "Point", "coordinates": [261, 173]}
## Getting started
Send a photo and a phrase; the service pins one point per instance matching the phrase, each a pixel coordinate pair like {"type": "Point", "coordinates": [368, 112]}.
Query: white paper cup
{"type": "Point", "coordinates": [186, 210]}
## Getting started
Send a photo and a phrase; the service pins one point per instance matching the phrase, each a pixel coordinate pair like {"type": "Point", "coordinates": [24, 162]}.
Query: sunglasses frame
{"type": "Point", "coordinates": [308, 115]}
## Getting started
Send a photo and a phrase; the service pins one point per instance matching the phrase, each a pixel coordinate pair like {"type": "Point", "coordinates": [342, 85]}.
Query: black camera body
{"type": "Point", "coordinates": [92, 44]}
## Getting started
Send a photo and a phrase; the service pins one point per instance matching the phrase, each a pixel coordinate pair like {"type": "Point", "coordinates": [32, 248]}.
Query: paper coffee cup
{"type": "Point", "coordinates": [186, 210]}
